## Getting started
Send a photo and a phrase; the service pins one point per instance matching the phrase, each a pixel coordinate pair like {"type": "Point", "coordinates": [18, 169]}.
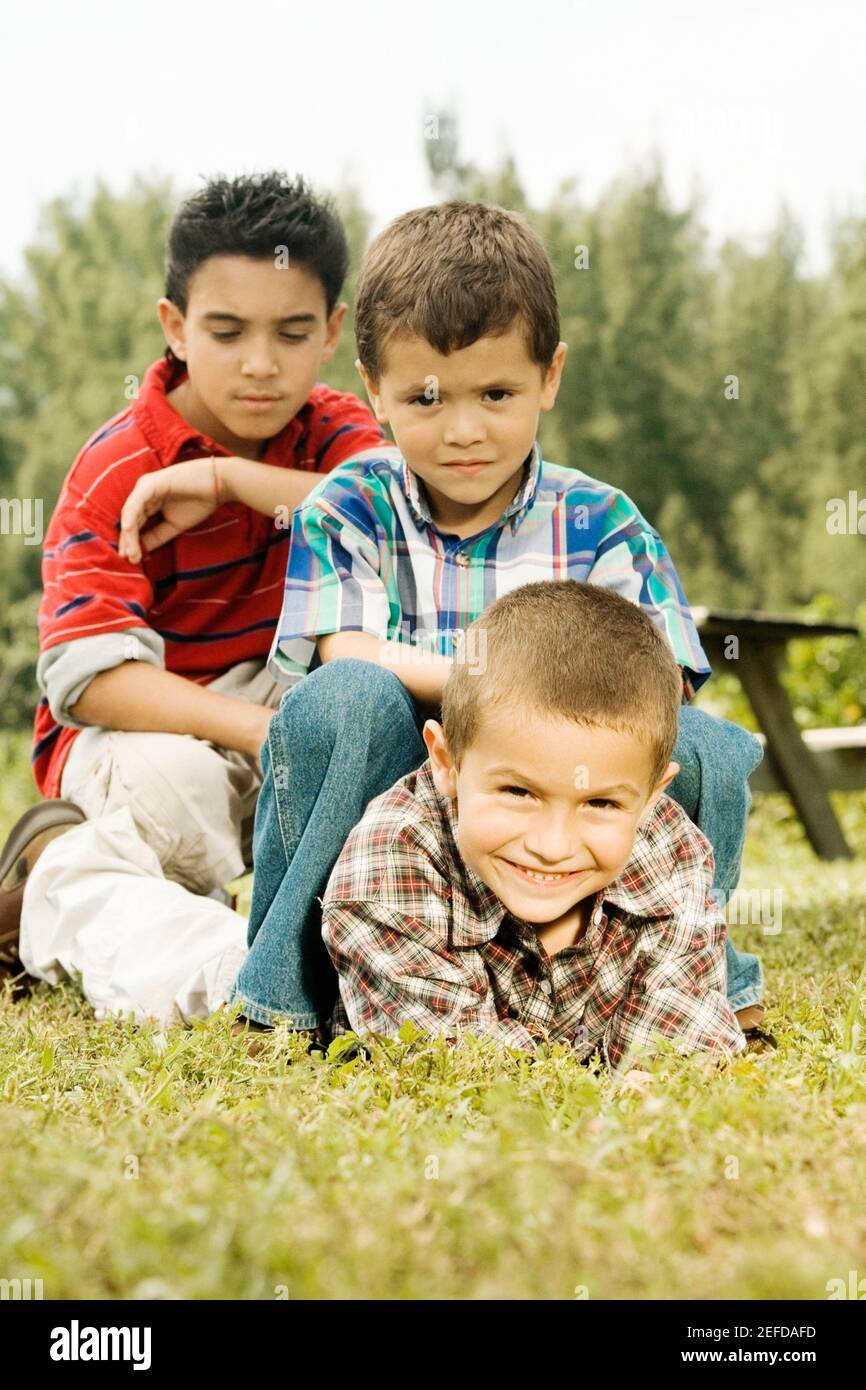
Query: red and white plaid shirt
{"type": "Point", "coordinates": [416, 935]}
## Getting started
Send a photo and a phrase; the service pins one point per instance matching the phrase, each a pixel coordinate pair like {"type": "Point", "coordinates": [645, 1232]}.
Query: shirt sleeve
{"type": "Point", "coordinates": [679, 986]}
{"type": "Point", "coordinates": [391, 972]}
{"type": "Point", "coordinates": [342, 427]}
{"type": "Point", "coordinates": [89, 591]}
{"type": "Point", "coordinates": [333, 584]}
{"type": "Point", "coordinates": [63, 672]}
{"type": "Point", "coordinates": [387, 924]}
{"type": "Point", "coordinates": [632, 559]}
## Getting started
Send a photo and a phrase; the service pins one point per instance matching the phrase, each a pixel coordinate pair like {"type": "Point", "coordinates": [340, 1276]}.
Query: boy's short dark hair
{"type": "Point", "coordinates": [254, 215]}
{"type": "Point", "coordinates": [572, 651]}
{"type": "Point", "coordinates": [451, 274]}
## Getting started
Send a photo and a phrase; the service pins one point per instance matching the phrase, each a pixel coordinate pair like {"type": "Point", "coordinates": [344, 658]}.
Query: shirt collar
{"type": "Point", "coordinates": [514, 512]}
{"type": "Point", "coordinates": [642, 890]}
{"type": "Point", "coordinates": [169, 434]}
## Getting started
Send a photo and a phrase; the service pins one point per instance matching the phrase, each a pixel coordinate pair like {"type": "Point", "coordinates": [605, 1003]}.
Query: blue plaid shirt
{"type": "Point", "coordinates": [366, 556]}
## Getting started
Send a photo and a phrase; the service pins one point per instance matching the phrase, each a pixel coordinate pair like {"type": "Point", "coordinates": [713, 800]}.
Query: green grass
{"type": "Point", "coordinates": [138, 1165]}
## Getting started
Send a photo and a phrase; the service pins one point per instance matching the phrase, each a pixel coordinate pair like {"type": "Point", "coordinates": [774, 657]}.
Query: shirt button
{"type": "Point", "coordinates": [545, 986]}
{"type": "Point", "coordinates": [598, 917]}
{"type": "Point", "coordinates": [461, 557]}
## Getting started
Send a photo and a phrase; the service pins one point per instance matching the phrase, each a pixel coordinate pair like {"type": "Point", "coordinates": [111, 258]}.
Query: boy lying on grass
{"type": "Point", "coordinates": [531, 881]}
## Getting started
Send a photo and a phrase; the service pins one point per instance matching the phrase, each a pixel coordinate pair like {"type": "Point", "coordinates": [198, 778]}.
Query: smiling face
{"type": "Point", "coordinates": [465, 422]}
{"type": "Point", "coordinates": [547, 809]}
{"type": "Point", "coordinates": [254, 338]}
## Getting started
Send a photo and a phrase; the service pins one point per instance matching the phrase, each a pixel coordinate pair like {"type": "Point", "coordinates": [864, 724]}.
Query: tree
{"type": "Point", "coordinates": [831, 418]}
{"type": "Point", "coordinates": [77, 336]}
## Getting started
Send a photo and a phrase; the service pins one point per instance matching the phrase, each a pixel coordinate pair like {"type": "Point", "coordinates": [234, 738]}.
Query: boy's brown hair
{"type": "Point", "coordinates": [572, 651]}
{"type": "Point", "coordinates": [453, 273]}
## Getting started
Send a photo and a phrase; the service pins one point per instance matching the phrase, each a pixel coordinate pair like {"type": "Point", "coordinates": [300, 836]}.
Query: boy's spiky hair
{"type": "Point", "coordinates": [255, 215]}
{"type": "Point", "coordinates": [451, 274]}
{"type": "Point", "coordinates": [570, 651]}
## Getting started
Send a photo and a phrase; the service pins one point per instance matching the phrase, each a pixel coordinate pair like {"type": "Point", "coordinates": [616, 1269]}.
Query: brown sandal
{"type": "Point", "coordinates": [27, 839]}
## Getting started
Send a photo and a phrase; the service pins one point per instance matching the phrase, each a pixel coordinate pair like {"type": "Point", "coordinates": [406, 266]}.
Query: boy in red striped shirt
{"type": "Point", "coordinates": [156, 698]}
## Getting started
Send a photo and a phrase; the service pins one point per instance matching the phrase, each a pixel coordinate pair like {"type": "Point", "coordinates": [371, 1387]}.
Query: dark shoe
{"type": "Point", "coordinates": [319, 1037]}
{"type": "Point", "coordinates": [750, 1017]}
{"type": "Point", "coordinates": [749, 1020]}
{"type": "Point", "coordinates": [36, 829]}
{"type": "Point", "coordinates": [758, 1041]}
{"type": "Point", "coordinates": [249, 1025]}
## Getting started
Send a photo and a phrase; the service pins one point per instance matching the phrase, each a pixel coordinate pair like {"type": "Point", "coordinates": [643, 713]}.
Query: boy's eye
{"type": "Point", "coordinates": [516, 791]}
{"type": "Point", "coordinates": [230, 334]}
{"type": "Point", "coordinates": [603, 801]}
{"type": "Point", "coordinates": [497, 394]}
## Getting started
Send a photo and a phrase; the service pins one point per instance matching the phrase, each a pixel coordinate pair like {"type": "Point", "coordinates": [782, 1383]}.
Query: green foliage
{"type": "Point", "coordinates": [17, 788]}
{"type": "Point", "coordinates": [341, 372]}
{"type": "Point", "coordinates": [77, 335]}
{"type": "Point", "coordinates": [19, 643]}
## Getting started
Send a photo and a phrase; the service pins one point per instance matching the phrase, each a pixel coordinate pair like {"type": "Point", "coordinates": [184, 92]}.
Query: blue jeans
{"type": "Point", "coordinates": [346, 733]}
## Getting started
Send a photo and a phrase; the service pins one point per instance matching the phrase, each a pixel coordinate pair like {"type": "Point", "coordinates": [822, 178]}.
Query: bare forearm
{"type": "Point", "coordinates": [263, 487]}
{"type": "Point", "coordinates": [142, 698]}
{"type": "Point", "coordinates": [422, 672]}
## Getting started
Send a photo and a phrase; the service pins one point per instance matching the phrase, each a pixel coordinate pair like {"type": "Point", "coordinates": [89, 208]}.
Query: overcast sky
{"type": "Point", "coordinates": [748, 103]}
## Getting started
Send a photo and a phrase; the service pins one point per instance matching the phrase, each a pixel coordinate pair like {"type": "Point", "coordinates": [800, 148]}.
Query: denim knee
{"type": "Point", "coordinates": [704, 739]}
{"type": "Point", "coordinates": [346, 688]}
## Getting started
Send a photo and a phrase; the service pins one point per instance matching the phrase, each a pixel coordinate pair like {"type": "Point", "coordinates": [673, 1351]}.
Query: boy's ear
{"type": "Point", "coordinates": [173, 324]}
{"type": "Point", "coordinates": [372, 389]}
{"type": "Point", "coordinates": [552, 378]}
{"type": "Point", "coordinates": [660, 787]}
{"type": "Point", "coordinates": [333, 329]}
{"type": "Point", "coordinates": [444, 771]}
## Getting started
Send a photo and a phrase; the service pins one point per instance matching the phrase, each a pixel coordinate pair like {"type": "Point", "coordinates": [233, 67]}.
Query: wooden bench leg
{"type": "Point", "coordinates": [798, 772]}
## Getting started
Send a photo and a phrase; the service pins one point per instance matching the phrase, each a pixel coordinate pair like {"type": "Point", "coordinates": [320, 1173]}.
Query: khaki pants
{"type": "Point", "coordinates": [120, 903]}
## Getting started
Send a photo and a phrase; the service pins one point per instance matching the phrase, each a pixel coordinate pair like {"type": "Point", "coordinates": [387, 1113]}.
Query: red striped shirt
{"type": "Point", "coordinates": [214, 593]}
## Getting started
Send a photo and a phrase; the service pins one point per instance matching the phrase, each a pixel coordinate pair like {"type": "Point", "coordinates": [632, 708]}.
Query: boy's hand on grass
{"type": "Point", "coordinates": [185, 494]}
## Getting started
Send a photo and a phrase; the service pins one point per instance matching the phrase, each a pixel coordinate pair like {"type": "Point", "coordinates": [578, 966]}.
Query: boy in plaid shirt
{"type": "Point", "coordinates": [531, 880]}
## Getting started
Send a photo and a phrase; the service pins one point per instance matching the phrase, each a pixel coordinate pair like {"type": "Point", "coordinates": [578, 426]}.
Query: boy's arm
{"type": "Point", "coordinates": [679, 988]}
{"type": "Point", "coordinates": [186, 494]}
{"type": "Point", "coordinates": [388, 920]}
{"type": "Point", "coordinates": [141, 698]}
{"type": "Point", "coordinates": [632, 559]}
{"type": "Point", "coordinates": [339, 427]}
{"type": "Point", "coordinates": [423, 673]}
{"type": "Point", "coordinates": [393, 968]}
{"type": "Point", "coordinates": [336, 426]}
{"type": "Point", "coordinates": [100, 663]}
{"type": "Point", "coordinates": [337, 597]}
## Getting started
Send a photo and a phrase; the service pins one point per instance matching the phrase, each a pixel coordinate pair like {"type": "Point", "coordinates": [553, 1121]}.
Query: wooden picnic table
{"type": "Point", "coordinates": [805, 765]}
